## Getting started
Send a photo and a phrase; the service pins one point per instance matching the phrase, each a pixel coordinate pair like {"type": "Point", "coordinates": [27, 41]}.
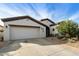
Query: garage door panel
{"type": "Point", "coordinates": [24, 32]}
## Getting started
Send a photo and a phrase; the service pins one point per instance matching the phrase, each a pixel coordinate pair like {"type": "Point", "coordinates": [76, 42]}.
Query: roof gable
{"type": "Point", "coordinates": [22, 17]}
{"type": "Point", "coordinates": [48, 20]}
{"type": "Point", "coordinates": [52, 24]}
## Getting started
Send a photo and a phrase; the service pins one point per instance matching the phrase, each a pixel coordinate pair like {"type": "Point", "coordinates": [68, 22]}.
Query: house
{"type": "Point", "coordinates": [1, 28]}
{"type": "Point", "coordinates": [1, 32]}
{"type": "Point", "coordinates": [49, 23]}
{"type": "Point", "coordinates": [53, 29]}
{"type": "Point", "coordinates": [24, 27]}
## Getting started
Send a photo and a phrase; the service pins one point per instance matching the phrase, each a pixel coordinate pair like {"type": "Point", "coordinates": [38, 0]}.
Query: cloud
{"type": "Point", "coordinates": [7, 11]}
{"type": "Point", "coordinates": [11, 10]}
{"type": "Point", "coordinates": [75, 16]}
{"type": "Point", "coordinates": [41, 10]}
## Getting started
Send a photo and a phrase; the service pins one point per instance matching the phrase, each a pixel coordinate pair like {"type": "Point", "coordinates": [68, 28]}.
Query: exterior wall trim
{"type": "Point", "coordinates": [48, 20]}
{"type": "Point", "coordinates": [24, 26]}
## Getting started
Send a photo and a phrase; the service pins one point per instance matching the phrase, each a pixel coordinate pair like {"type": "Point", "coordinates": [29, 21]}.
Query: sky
{"type": "Point", "coordinates": [55, 11]}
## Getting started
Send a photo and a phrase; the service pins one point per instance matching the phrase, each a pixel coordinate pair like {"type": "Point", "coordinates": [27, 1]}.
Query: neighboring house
{"type": "Point", "coordinates": [24, 27]}
{"type": "Point", "coordinates": [1, 32]}
{"type": "Point", "coordinates": [1, 28]}
{"type": "Point", "coordinates": [48, 22]}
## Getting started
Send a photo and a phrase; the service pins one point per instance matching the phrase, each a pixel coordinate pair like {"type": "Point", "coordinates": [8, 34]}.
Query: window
{"type": "Point", "coordinates": [6, 26]}
{"type": "Point", "coordinates": [53, 29]}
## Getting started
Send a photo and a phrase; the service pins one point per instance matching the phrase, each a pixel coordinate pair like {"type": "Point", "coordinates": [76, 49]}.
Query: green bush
{"type": "Point", "coordinates": [68, 29]}
{"type": "Point", "coordinates": [77, 34]}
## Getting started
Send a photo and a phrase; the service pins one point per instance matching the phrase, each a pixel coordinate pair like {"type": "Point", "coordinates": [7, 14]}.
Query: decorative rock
{"type": "Point", "coordinates": [72, 40]}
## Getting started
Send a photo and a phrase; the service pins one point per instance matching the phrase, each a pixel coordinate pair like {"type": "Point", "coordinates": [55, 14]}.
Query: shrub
{"type": "Point", "coordinates": [68, 29]}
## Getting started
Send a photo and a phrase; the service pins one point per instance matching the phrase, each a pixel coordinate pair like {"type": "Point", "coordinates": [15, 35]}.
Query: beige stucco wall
{"type": "Point", "coordinates": [46, 22]}
{"type": "Point", "coordinates": [27, 22]}
{"type": "Point", "coordinates": [55, 29]}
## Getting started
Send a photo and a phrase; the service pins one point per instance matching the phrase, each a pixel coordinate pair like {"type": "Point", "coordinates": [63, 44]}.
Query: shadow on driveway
{"type": "Point", "coordinates": [46, 41]}
{"type": "Point", "coordinates": [12, 46]}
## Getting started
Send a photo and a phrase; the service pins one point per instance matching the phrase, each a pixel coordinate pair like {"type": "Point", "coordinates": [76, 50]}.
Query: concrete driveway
{"type": "Point", "coordinates": [38, 47]}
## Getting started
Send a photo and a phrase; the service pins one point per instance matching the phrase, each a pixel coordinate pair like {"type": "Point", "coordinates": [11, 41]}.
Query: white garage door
{"type": "Point", "coordinates": [24, 32]}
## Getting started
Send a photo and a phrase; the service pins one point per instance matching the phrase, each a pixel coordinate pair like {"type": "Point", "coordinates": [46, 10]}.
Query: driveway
{"type": "Point", "coordinates": [38, 47]}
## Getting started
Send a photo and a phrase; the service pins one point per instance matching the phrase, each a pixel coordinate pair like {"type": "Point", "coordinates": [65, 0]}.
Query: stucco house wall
{"type": "Point", "coordinates": [53, 29]}
{"type": "Point", "coordinates": [46, 22]}
{"type": "Point", "coordinates": [27, 22]}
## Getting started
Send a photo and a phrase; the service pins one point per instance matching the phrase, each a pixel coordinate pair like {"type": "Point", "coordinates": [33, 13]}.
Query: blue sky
{"type": "Point", "coordinates": [54, 11]}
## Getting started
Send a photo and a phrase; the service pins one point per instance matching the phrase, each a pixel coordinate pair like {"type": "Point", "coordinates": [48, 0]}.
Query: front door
{"type": "Point", "coordinates": [47, 32]}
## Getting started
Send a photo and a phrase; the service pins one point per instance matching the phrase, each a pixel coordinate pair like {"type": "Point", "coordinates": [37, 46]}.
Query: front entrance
{"type": "Point", "coordinates": [47, 32]}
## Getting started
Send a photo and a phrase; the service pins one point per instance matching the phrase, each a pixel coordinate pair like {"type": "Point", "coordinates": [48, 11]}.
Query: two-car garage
{"type": "Point", "coordinates": [24, 27]}
{"type": "Point", "coordinates": [24, 32]}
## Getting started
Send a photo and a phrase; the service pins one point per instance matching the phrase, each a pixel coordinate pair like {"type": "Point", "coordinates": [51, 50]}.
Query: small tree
{"type": "Point", "coordinates": [68, 28]}
{"type": "Point", "coordinates": [77, 33]}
